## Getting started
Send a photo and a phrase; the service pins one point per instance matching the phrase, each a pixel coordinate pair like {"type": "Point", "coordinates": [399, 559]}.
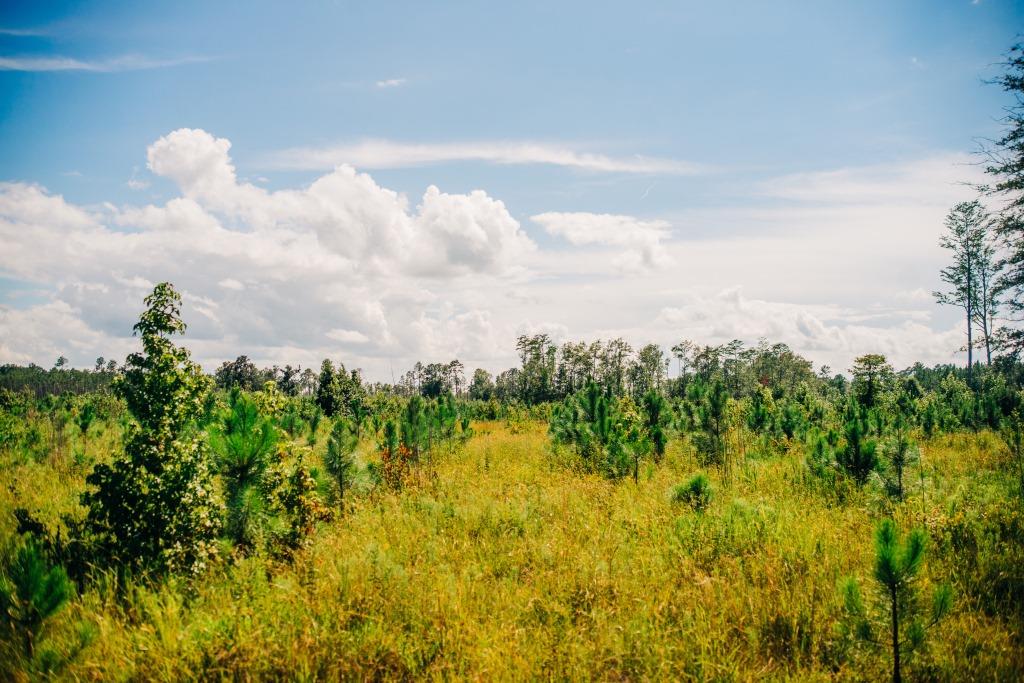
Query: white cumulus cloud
{"type": "Point", "coordinates": [308, 271]}
{"type": "Point", "coordinates": [641, 242]}
{"type": "Point", "coordinates": [835, 263]}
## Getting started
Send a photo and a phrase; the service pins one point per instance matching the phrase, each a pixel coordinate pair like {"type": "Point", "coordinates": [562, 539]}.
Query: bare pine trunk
{"type": "Point", "coordinates": [970, 326]}
{"type": "Point", "coordinates": [896, 675]}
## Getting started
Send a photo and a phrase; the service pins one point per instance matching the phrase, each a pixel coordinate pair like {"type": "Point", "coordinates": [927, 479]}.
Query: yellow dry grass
{"type": "Point", "coordinates": [497, 563]}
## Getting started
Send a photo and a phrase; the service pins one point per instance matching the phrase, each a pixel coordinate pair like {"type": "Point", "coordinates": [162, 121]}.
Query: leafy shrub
{"type": "Point", "coordinates": [154, 507]}
{"type": "Point", "coordinates": [297, 499]}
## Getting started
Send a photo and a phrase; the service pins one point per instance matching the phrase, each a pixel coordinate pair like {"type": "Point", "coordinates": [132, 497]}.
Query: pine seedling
{"type": "Point", "coordinates": [84, 419]}
{"type": "Point", "coordinates": [339, 461]}
{"type": "Point", "coordinates": [858, 456]}
{"type": "Point", "coordinates": [897, 564]}
{"type": "Point", "coordinates": [31, 591]}
{"type": "Point", "coordinates": [696, 493]}
{"type": "Point", "coordinates": [243, 445]}
{"type": "Point", "coordinates": [656, 421]}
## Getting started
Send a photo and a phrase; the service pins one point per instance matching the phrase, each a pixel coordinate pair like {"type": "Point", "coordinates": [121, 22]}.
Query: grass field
{"type": "Point", "coordinates": [498, 562]}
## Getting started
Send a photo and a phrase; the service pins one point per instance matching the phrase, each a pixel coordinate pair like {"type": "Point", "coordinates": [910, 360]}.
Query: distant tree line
{"type": "Point", "coordinates": [60, 379]}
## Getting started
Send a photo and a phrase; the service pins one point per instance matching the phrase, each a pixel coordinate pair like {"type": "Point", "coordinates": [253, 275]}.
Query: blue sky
{"type": "Point", "coordinates": [715, 132]}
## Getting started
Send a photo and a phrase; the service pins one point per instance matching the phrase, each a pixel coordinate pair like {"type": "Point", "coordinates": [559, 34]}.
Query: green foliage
{"type": "Point", "coordinates": [969, 278]}
{"type": "Point", "coordinates": [240, 373]}
{"type": "Point", "coordinates": [761, 412]}
{"type": "Point", "coordinates": [1005, 166]}
{"type": "Point", "coordinates": [604, 437]}
{"type": "Point", "coordinates": [291, 420]}
{"type": "Point", "coordinates": [821, 455]}
{"type": "Point", "coordinates": [538, 356]}
{"type": "Point", "coordinates": [301, 505]}
{"type": "Point", "coordinates": [955, 403]}
{"type": "Point", "coordinates": [792, 421]}
{"type": "Point", "coordinates": [900, 451]}
{"type": "Point", "coordinates": [708, 410]}
{"type": "Point", "coordinates": [445, 554]}
{"type": "Point", "coordinates": [395, 457]}
{"type": "Point", "coordinates": [84, 419]}
{"type": "Point", "coordinates": [316, 415]}
{"type": "Point", "coordinates": [337, 389]}
{"type": "Point", "coordinates": [339, 460]}
{"type": "Point", "coordinates": [244, 444]}
{"type": "Point", "coordinates": [1012, 432]}
{"type": "Point", "coordinates": [415, 426]}
{"type": "Point", "coordinates": [517, 418]}
{"type": "Point", "coordinates": [872, 377]}
{"type": "Point", "coordinates": [857, 456]}
{"type": "Point", "coordinates": [31, 591]}
{"type": "Point", "coordinates": [154, 507]}
{"type": "Point", "coordinates": [481, 387]}
{"type": "Point", "coordinates": [897, 564]}
{"type": "Point", "coordinates": [656, 419]}
{"type": "Point", "coordinates": [270, 400]}
{"type": "Point", "coordinates": [40, 382]}
{"type": "Point", "coordinates": [696, 492]}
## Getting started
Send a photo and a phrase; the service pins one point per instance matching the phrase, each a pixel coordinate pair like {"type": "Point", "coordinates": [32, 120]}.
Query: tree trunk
{"type": "Point", "coordinates": [899, 481]}
{"type": "Point", "coordinates": [896, 676]}
{"type": "Point", "coordinates": [988, 338]}
{"type": "Point", "coordinates": [970, 324]}
{"type": "Point", "coordinates": [970, 349]}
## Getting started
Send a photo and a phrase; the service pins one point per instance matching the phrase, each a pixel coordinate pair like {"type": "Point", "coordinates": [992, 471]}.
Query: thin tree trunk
{"type": "Point", "coordinates": [984, 320]}
{"type": "Point", "coordinates": [896, 676]}
{"type": "Point", "coordinates": [970, 349]}
{"type": "Point", "coordinates": [899, 476]}
{"type": "Point", "coordinates": [970, 324]}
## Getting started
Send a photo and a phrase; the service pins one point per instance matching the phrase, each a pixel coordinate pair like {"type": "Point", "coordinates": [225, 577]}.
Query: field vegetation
{"type": "Point", "coordinates": [744, 519]}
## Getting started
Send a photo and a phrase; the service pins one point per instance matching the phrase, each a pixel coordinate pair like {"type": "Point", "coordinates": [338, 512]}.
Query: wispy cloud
{"type": "Point", "coordinates": [391, 83]}
{"type": "Point", "coordinates": [927, 181]}
{"type": "Point", "coordinates": [22, 32]}
{"type": "Point", "coordinates": [123, 63]}
{"type": "Point", "coordinates": [377, 154]}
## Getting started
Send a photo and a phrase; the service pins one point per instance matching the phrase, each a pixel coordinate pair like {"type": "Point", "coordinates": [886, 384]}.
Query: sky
{"type": "Point", "coordinates": [381, 183]}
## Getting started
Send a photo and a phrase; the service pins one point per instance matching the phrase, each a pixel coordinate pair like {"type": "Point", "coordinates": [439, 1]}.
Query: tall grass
{"type": "Point", "coordinates": [496, 562]}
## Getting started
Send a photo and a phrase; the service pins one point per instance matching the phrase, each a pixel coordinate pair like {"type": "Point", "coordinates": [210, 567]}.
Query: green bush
{"type": "Point", "coordinates": [153, 508]}
{"type": "Point", "coordinates": [696, 493]}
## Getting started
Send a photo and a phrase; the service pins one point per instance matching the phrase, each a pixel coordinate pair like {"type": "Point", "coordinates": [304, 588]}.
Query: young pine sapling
{"type": "Point", "coordinates": [897, 564]}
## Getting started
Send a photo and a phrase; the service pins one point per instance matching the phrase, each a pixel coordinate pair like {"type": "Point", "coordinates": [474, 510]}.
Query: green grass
{"type": "Point", "coordinates": [496, 562]}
